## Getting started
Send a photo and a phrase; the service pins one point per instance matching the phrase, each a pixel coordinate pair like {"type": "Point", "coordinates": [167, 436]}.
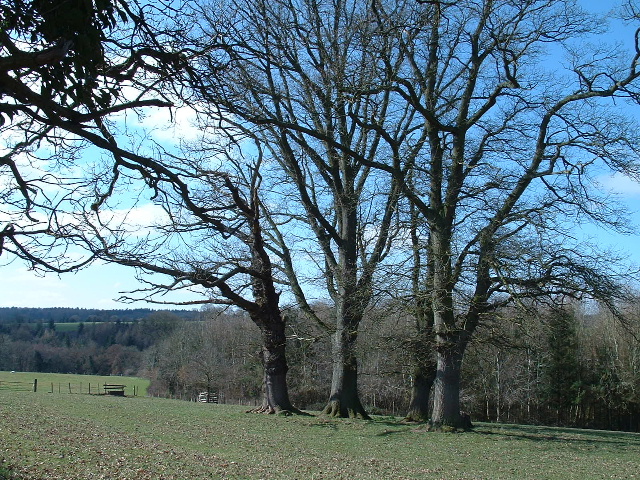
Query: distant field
{"type": "Point", "coordinates": [73, 326]}
{"type": "Point", "coordinates": [69, 326]}
{"type": "Point", "coordinates": [82, 436]}
{"type": "Point", "coordinates": [68, 383]}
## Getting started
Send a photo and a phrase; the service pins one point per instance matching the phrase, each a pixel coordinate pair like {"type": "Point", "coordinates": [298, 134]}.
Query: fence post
{"type": "Point", "coordinates": [35, 385]}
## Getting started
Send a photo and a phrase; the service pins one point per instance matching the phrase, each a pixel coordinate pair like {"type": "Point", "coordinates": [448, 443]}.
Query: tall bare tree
{"type": "Point", "coordinates": [208, 240]}
{"type": "Point", "coordinates": [521, 116]}
{"type": "Point", "coordinates": [288, 74]}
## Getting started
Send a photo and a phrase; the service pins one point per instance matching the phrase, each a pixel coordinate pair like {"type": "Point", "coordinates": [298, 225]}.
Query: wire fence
{"type": "Point", "coordinates": [87, 388]}
{"type": "Point", "coordinates": [103, 388]}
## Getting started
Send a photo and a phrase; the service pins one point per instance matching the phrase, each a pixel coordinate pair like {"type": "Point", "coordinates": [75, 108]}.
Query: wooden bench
{"type": "Point", "coordinates": [114, 389]}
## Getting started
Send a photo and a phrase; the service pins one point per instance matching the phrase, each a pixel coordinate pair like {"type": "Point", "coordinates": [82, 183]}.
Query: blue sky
{"type": "Point", "coordinates": [100, 285]}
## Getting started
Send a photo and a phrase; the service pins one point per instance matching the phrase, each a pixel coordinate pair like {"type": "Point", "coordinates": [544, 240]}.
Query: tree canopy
{"type": "Point", "coordinates": [64, 68]}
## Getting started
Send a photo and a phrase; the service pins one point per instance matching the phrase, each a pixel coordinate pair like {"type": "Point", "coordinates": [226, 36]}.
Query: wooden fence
{"type": "Point", "coordinates": [68, 388]}
{"type": "Point", "coordinates": [18, 386]}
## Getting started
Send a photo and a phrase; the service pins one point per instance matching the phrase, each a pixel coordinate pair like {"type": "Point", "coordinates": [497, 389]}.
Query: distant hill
{"type": "Point", "coordinates": [12, 315]}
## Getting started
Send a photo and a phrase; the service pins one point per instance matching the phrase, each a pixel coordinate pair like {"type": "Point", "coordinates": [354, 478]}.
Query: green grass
{"type": "Point", "coordinates": [59, 383]}
{"type": "Point", "coordinates": [68, 326]}
{"type": "Point", "coordinates": [73, 326]}
{"type": "Point", "coordinates": [83, 436]}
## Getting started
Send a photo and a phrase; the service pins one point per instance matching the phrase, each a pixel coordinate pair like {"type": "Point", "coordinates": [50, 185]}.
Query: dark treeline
{"type": "Point", "coordinates": [569, 369]}
{"type": "Point", "coordinates": [113, 345]}
{"type": "Point", "coordinates": [74, 315]}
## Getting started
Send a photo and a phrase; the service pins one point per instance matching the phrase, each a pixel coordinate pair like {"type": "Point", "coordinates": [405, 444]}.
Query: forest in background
{"type": "Point", "coordinates": [83, 341]}
{"type": "Point", "coordinates": [85, 315]}
{"type": "Point", "coordinates": [576, 367]}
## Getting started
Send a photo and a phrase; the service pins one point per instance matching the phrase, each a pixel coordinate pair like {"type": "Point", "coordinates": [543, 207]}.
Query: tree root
{"type": "Point", "coordinates": [416, 417]}
{"type": "Point", "coordinates": [267, 409]}
{"type": "Point", "coordinates": [463, 424]}
{"type": "Point", "coordinates": [333, 409]}
{"type": "Point", "coordinates": [270, 410]}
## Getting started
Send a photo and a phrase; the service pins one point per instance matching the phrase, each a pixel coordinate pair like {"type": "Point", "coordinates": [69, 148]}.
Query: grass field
{"type": "Point", "coordinates": [63, 383]}
{"type": "Point", "coordinates": [85, 436]}
{"type": "Point", "coordinates": [73, 326]}
{"type": "Point", "coordinates": [68, 326]}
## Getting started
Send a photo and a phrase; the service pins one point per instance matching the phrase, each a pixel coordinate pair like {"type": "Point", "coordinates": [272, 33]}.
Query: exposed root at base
{"type": "Point", "coordinates": [269, 410]}
{"type": "Point", "coordinates": [463, 425]}
{"type": "Point", "coordinates": [410, 418]}
{"type": "Point", "coordinates": [333, 410]}
{"type": "Point", "coordinates": [263, 409]}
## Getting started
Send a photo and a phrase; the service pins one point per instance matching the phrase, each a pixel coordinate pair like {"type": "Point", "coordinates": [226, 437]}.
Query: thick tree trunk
{"type": "Point", "coordinates": [275, 394]}
{"type": "Point", "coordinates": [344, 400]}
{"type": "Point", "coordinates": [274, 361]}
{"type": "Point", "coordinates": [446, 396]}
{"type": "Point", "coordinates": [267, 316]}
{"type": "Point", "coordinates": [423, 379]}
{"type": "Point", "coordinates": [424, 363]}
{"type": "Point", "coordinates": [450, 339]}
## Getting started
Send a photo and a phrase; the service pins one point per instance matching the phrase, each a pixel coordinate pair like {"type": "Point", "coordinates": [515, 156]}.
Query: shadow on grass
{"type": "Point", "coordinates": [593, 438]}
{"type": "Point", "coordinates": [6, 471]}
{"type": "Point", "coordinates": [329, 425]}
{"type": "Point", "coordinates": [388, 433]}
{"type": "Point", "coordinates": [393, 425]}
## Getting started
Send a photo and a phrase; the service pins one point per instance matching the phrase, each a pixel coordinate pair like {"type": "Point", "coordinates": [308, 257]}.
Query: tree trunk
{"type": "Point", "coordinates": [425, 367]}
{"type": "Point", "coordinates": [268, 318]}
{"type": "Point", "coordinates": [275, 394]}
{"type": "Point", "coordinates": [352, 297]}
{"type": "Point", "coordinates": [344, 400]}
{"type": "Point", "coordinates": [446, 400]}
{"type": "Point", "coordinates": [450, 339]}
{"type": "Point", "coordinates": [423, 378]}
{"type": "Point", "coordinates": [274, 361]}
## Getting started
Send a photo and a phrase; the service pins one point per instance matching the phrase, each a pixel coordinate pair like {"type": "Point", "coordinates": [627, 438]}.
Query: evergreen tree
{"type": "Point", "coordinates": [562, 369]}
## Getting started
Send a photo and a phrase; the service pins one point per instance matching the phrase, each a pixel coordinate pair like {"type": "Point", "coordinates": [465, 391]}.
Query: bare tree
{"type": "Point", "coordinates": [421, 346]}
{"type": "Point", "coordinates": [64, 68]}
{"type": "Point", "coordinates": [288, 74]}
{"type": "Point", "coordinates": [515, 136]}
{"type": "Point", "coordinates": [208, 240]}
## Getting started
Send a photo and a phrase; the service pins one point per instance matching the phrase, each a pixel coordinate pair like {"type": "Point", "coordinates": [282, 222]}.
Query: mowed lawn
{"type": "Point", "coordinates": [100, 437]}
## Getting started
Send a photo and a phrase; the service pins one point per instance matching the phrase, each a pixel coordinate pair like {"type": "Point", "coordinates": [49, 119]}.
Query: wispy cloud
{"type": "Point", "coordinates": [167, 125]}
{"type": "Point", "coordinates": [621, 184]}
{"type": "Point", "coordinates": [138, 220]}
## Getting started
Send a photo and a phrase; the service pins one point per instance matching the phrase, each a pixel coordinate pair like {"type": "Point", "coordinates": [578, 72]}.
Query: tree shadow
{"type": "Point", "coordinates": [577, 437]}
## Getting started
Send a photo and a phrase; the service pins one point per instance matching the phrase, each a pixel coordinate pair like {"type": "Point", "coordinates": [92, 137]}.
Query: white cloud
{"type": "Point", "coordinates": [138, 220]}
{"type": "Point", "coordinates": [166, 125]}
{"type": "Point", "coordinates": [21, 287]}
{"type": "Point", "coordinates": [621, 184]}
